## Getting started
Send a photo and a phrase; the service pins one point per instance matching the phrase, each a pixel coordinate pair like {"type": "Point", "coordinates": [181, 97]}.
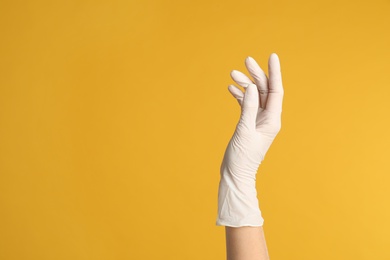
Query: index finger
{"type": "Point", "coordinates": [275, 85]}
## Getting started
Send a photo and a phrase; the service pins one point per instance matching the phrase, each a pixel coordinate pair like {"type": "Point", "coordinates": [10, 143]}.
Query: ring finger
{"type": "Point", "coordinates": [260, 78]}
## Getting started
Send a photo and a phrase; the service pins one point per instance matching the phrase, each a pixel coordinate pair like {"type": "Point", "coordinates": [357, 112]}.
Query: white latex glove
{"type": "Point", "coordinates": [260, 122]}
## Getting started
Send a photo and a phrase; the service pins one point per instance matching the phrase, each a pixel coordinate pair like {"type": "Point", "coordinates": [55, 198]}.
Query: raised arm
{"type": "Point", "coordinates": [260, 122]}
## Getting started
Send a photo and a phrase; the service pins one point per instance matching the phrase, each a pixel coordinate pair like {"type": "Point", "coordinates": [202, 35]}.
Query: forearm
{"type": "Point", "coordinates": [241, 215]}
{"type": "Point", "coordinates": [245, 243]}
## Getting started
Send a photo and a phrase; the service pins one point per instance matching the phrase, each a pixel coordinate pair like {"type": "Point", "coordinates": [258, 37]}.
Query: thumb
{"type": "Point", "coordinates": [250, 106]}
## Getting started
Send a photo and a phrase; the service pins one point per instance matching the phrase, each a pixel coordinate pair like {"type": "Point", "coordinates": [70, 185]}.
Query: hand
{"type": "Point", "coordinates": [267, 107]}
{"type": "Point", "coordinates": [260, 122]}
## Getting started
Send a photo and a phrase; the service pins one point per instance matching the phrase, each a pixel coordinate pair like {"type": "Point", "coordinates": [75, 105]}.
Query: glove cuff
{"type": "Point", "coordinates": [237, 203]}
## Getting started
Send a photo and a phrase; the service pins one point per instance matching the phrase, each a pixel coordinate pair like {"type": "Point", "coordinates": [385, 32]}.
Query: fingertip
{"type": "Point", "coordinates": [252, 90]}
{"type": "Point", "coordinates": [273, 63]}
{"type": "Point", "coordinates": [274, 56]}
{"type": "Point", "coordinates": [251, 104]}
{"type": "Point", "coordinates": [232, 87]}
{"type": "Point", "coordinates": [234, 74]}
{"type": "Point", "coordinates": [249, 61]}
{"type": "Point", "coordinates": [249, 58]}
{"type": "Point", "coordinates": [251, 86]}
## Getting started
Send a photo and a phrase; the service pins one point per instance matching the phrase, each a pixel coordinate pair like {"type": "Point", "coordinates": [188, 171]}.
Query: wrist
{"type": "Point", "coordinates": [237, 202]}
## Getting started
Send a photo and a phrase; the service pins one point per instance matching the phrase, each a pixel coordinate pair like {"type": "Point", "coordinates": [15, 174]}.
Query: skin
{"type": "Point", "coordinates": [248, 243]}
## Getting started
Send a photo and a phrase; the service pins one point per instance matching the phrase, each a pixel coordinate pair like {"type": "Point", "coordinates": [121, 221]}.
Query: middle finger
{"type": "Point", "coordinates": [260, 78]}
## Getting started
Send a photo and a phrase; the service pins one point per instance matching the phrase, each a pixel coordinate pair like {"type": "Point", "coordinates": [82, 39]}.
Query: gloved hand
{"type": "Point", "coordinates": [259, 123]}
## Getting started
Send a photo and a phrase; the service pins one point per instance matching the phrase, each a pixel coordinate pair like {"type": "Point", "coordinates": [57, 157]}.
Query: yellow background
{"type": "Point", "coordinates": [114, 117]}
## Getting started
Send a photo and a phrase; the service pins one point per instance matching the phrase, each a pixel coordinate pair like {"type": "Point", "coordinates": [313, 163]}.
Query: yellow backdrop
{"type": "Point", "coordinates": [114, 117]}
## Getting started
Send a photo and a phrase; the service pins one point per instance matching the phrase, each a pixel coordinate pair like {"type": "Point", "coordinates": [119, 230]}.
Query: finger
{"type": "Point", "coordinates": [237, 93]}
{"type": "Point", "coordinates": [250, 106]}
{"type": "Point", "coordinates": [240, 78]}
{"type": "Point", "coordinates": [276, 91]}
{"type": "Point", "coordinates": [260, 79]}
